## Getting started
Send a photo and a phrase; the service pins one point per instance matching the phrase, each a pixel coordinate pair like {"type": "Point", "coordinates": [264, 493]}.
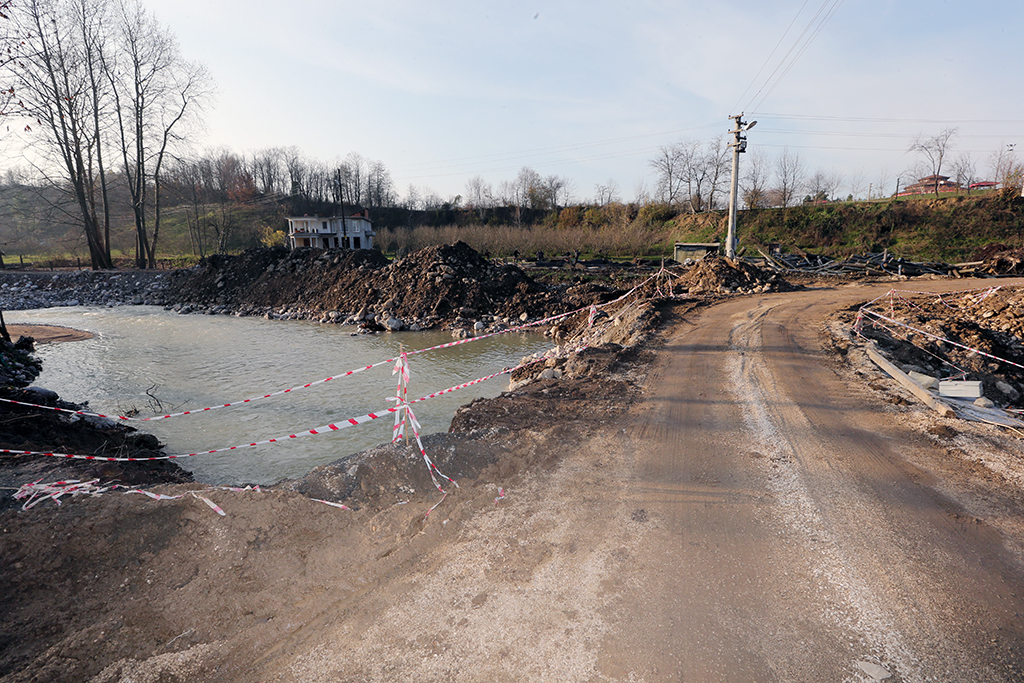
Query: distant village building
{"type": "Point", "coordinates": [929, 184]}
{"type": "Point", "coordinates": [335, 232]}
{"type": "Point", "coordinates": [984, 185]}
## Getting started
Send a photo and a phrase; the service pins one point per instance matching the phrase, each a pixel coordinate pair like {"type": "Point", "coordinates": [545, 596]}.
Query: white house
{"type": "Point", "coordinates": [335, 232]}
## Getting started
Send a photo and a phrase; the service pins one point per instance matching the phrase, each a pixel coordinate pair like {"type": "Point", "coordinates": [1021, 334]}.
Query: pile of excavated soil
{"type": "Point", "coordinates": [1000, 259]}
{"type": "Point", "coordinates": [715, 275]}
{"type": "Point", "coordinates": [450, 285]}
{"type": "Point", "coordinates": [991, 321]}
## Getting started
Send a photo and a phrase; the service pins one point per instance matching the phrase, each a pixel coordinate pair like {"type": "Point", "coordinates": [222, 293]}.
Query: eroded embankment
{"type": "Point", "coordinates": [451, 286]}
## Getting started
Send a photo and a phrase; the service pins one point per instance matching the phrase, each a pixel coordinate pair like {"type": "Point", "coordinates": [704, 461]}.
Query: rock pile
{"type": "Point", "coordinates": [715, 275]}
{"type": "Point", "coordinates": [991, 321]}
{"type": "Point", "coordinates": [18, 367]}
{"type": "Point", "coordinates": [20, 291]}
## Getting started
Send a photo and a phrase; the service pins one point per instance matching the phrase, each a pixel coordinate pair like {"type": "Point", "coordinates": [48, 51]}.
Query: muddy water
{"type": "Point", "coordinates": [154, 361]}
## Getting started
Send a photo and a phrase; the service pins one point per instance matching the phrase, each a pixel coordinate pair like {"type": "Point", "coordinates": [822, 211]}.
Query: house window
{"type": "Point", "coordinates": [355, 243]}
{"type": "Point", "coordinates": [325, 226]}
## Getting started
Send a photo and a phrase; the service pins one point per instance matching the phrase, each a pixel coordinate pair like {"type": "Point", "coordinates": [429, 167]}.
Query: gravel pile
{"type": "Point", "coordinates": [21, 291]}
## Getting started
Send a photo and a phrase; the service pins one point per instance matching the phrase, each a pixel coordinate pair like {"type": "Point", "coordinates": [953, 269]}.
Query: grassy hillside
{"type": "Point", "coordinates": [949, 228]}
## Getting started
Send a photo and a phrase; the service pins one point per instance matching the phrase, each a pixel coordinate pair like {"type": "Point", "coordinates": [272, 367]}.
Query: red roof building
{"type": "Point", "coordinates": [932, 183]}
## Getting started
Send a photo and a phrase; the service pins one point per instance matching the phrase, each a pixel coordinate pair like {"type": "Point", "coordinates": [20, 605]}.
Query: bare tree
{"type": "Point", "coordinates": [606, 193]}
{"type": "Point", "coordinates": [53, 70]}
{"type": "Point", "coordinates": [379, 185]}
{"type": "Point", "coordinates": [965, 171]}
{"type": "Point", "coordinates": [754, 182]}
{"type": "Point", "coordinates": [479, 195]}
{"type": "Point", "coordinates": [855, 183]}
{"type": "Point", "coordinates": [641, 195]}
{"type": "Point", "coordinates": [413, 198]}
{"type": "Point", "coordinates": [717, 162]}
{"type": "Point", "coordinates": [823, 185]}
{"type": "Point", "coordinates": [553, 186]}
{"type": "Point", "coordinates": [692, 173]}
{"type": "Point", "coordinates": [354, 175]}
{"type": "Point", "coordinates": [1006, 170]}
{"type": "Point", "coordinates": [789, 177]}
{"type": "Point", "coordinates": [189, 177]}
{"type": "Point", "coordinates": [881, 188]}
{"type": "Point", "coordinates": [669, 163]}
{"type": "Point", "coordinates": [154, 89]}
{"type": "Point", "coordinates": [934, 150]}
{"type": "Point", "coordinates": [268, 170]}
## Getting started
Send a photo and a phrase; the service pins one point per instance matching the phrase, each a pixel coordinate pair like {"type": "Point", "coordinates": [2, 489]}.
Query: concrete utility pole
{"type": "Point", "coordinates": [739, 144]}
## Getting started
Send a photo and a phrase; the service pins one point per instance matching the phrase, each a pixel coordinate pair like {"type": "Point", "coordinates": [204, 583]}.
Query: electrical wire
{"type": "Point", "coordinates": [769, 58]}
{"type": "Point", "coordinates": [828, 14]}
{"type": "Point", "coordinates": [543, 151]}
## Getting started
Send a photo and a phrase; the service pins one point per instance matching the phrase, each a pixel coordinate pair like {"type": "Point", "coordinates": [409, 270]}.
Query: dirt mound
{"type": "Point", "coordinates": [723, 275]}
{"type": "Point", "coordinates": [991, 321]}
{"type": "Point", "coordinates": [449, 285]}
{"type": "Point", "coordinates": [1000, 259]}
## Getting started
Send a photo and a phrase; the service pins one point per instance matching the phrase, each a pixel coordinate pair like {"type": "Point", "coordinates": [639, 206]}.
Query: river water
{"type": "Point", "coordinates": [189, 362]}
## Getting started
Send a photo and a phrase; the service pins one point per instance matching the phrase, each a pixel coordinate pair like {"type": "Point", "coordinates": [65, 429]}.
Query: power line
{"type": "Point", "coordinates": [867, 119]}
{"type": "Point", "coordinates": [817, 29]}
{"type": "Point", "coordinates": [850, 134]}
{"type": "Point", "coordinates": [825, 12]}
{"type": "Point", "coordinates": [503, 157]}
{"type": "Point", "coordinates": [769, 58]}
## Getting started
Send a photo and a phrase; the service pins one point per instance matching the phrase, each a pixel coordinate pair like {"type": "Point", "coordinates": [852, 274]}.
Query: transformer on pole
{"type": "Point", "coordinates": [739, 144]}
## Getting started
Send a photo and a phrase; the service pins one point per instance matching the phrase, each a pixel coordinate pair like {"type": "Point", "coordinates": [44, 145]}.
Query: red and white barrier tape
{"type": "Point", "coordinates": [271, 394]}
{"type": "Point", "coordinates": [323, 429]}
{"type": "Point", "coordinates": [37, 492]}
{"type": "Point", "coordinates": [936, 337]}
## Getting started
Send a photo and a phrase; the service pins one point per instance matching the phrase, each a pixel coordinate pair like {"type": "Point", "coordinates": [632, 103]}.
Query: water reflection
{"type": "Point", "coordinates": [156, 361]}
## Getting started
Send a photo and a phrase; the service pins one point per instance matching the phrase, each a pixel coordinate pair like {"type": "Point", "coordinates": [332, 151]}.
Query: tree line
{"type": "Point", "coordinates": [105, 101]}
{"type": "Point", "coordinates": [102, 89]}
{"type": "Point", "coordinates": [695, 175]}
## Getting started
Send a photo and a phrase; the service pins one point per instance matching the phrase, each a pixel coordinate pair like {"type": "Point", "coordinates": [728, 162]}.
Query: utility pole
{"type": "Point", "coordinates": [739, 144]}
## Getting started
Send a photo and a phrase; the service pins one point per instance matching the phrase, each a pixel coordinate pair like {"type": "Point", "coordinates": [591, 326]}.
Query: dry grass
{"type": "Point", "coordinates": [634, 239]}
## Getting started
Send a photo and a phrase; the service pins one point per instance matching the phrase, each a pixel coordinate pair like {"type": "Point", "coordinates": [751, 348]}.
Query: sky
{"type": "Point", "coordinates": [589, 90]}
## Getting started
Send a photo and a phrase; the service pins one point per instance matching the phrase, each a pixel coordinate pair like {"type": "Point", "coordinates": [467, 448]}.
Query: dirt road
{"type": "Point", "coordinates": [760, 519]}
{"type": "Point", "coordinates": [762, 515]}
{"type": "Point", "coordinates": [798, 539]}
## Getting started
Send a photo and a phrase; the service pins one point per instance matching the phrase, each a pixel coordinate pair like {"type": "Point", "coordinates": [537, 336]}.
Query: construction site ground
{"type": "Point", "coordinates": [746, 498]}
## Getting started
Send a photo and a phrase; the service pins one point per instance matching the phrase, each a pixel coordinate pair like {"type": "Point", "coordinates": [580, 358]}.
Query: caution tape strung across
{"type": "Point", "coordinates": [323, 429]}
{"type": "Point", "coordinates": [36, 492]}
{"type": "Point", "coordinates": [893, 321]}
{"type": "Point", "coordinates": [519, 328]}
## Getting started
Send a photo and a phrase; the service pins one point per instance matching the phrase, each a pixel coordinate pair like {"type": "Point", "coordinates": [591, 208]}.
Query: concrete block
{"type": "Point", "coordinates": [959, 389]}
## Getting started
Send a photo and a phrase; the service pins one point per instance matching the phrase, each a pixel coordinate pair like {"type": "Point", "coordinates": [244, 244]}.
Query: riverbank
{"type": "Point", "coordinates": [116, 539]}
{"type": "Point", "coordinates": [48, 334]}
